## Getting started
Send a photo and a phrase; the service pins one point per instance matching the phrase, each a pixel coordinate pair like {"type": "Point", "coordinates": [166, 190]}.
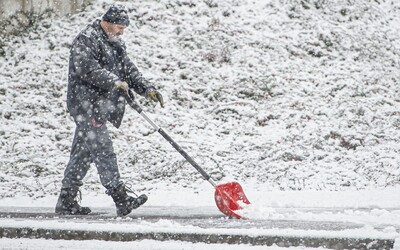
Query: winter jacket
{"type": "Point", "coordinates": [95, 64]}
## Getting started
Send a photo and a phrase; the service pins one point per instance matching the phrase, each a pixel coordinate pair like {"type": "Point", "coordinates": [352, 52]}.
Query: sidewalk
{"type": "Point", "coordinates": [199, 224]}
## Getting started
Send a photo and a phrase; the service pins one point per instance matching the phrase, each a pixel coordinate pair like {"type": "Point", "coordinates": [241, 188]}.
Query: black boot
{"type": "Point", "coordinates": [67, 203]}
{"type": "Point", "coordinates": [123, 202]}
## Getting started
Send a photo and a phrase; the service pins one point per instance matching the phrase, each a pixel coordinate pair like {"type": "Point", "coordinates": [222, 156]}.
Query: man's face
{"type": "Point", "coordinates": [115, 31]}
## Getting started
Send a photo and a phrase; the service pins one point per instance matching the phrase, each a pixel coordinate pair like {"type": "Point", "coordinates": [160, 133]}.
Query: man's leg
{"type": "Point", "coordinates": [75, 171]}
{"type": "Point", "coordinates": [98, 142]}
{"type": "Point", "coordinates": [79, 161]}
{"type": "Point", "coordinates": [102, 152]}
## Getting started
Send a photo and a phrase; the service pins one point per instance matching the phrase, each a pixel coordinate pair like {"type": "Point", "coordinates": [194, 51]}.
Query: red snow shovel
{"type": "Point", "coordinates": [227, 196]}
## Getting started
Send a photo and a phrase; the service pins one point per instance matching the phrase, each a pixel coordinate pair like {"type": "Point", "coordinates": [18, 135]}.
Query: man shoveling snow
{"type": "Point", "coordinates": [100, 72]}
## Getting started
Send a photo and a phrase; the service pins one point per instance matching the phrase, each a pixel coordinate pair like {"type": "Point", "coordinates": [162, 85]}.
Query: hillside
{"type": "Point", "coordinates": [283, 95]}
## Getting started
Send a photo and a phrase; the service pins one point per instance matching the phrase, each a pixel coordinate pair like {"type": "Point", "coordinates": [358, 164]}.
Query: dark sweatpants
{"type": "Point", "coordinates": [91, 144]}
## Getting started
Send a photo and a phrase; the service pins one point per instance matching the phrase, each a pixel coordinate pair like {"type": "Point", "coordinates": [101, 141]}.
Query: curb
{"type": "Point", "coordinates": [281, 241]}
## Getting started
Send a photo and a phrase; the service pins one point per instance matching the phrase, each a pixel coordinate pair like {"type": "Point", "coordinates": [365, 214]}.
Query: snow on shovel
{"type": "Point", "coordinates": [228, 197]}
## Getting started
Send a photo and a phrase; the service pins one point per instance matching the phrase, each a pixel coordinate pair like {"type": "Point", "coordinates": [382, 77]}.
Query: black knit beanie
{"type": "Point", "coordinates": [117, 14]}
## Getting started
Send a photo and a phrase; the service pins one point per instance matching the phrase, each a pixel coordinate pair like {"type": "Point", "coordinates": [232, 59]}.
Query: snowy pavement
{"type": "Point", "coordinates": [286, 227]}
{"type": "Point", "coordinates": [183, 219]}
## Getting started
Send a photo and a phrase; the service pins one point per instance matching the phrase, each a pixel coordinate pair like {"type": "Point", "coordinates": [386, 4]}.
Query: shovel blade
{"type": "Point", "coordinates": [227, 197]}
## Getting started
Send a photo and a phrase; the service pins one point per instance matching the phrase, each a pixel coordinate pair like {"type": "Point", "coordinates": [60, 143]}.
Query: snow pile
{"type": "Point", "coordinates": [283, 95]}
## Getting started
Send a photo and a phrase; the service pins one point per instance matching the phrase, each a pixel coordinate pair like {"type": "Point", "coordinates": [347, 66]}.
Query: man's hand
{"type": "Point", "coordinates": [155, 96]}
{"type": "Point", "coordinates": [121, 85]}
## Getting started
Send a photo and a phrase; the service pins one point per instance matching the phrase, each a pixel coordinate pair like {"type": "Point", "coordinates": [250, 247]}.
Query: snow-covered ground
{"type": "Point", "coordinates": [342, 214]}
{"type": "Point", "coordinates": [296, 100]}
{"type": "Point", "coordinates": [246, 96]}
{"type": "Point", "coordinates": [144, 245]}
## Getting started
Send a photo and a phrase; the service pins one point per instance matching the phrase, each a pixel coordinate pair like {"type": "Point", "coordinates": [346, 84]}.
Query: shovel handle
{"type": "Point", "coordinates": [131, 101]}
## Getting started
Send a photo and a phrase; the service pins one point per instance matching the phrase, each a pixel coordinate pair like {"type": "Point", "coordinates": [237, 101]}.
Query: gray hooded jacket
{"type": "Point", "coordinates": [95, 64]}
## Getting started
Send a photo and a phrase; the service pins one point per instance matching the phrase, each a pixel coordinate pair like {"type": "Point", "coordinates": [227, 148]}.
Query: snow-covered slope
{"type": "Point", "coordinates": [287, 95]}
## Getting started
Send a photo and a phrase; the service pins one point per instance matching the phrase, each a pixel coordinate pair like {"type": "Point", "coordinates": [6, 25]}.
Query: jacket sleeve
{"type": "Point", "coordinates": [134, 78]}
{"type": "Point", "coordinates": [85, 58]}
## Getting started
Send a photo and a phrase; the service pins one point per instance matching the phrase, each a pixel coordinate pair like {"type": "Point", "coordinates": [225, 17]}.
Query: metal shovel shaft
{"type": "Point", "coordinates": [135, 106]}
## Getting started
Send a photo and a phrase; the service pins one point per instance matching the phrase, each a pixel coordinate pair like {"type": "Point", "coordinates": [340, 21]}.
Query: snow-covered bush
{"type": "Point", "coordinates": [289, 94]}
